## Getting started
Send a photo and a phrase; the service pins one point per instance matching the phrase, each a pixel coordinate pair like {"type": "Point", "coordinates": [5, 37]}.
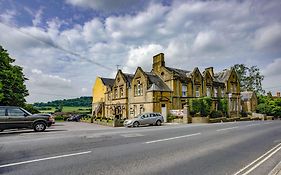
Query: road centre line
{"type": "Point", "coordinates": [267, 123]}
{"type": "Point", "coordinates": [252, 125]}
{"type": "Point", "coordinates": [172, 138]}
{"type": "Point", "coordinates": [42, 159]}
{"type": "Point", "coordinates": [227, 128]}
{"type": "Point", "coordinates": [274, 149]}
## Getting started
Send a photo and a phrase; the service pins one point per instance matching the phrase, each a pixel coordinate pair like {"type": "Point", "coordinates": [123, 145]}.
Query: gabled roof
{"type": "Point", "coordinates": [128, 77]}
{"type": "Point", "coordinates": [183, 75]}
{"type": "Point", "coordinates": [107, 81]}
{"type": "Point", "coordinates": [222, 76]}
{"type": "Point", "coordinates": [155, 83]}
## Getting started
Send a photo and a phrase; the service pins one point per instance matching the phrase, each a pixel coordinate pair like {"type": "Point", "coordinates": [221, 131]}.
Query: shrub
{"type": "Point", "coordinates": [216, 114]}
{"type": "Point", "coordinates": [244, 114]}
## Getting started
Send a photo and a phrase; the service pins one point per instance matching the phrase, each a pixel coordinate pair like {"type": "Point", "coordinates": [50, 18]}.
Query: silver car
{"type": "Point", "coordinates": [145, 119]}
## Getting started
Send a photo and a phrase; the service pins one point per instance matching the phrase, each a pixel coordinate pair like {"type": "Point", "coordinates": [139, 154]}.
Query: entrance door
{"type": "Point", "coordinates": [164, 112]}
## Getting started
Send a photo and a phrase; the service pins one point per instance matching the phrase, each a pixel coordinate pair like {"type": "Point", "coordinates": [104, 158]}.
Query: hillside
{"type": "Point", "coordinates": [82, 101]}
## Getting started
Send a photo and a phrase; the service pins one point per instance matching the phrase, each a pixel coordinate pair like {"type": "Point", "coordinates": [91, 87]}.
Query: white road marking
{"type": "Point", "coordinates": [252, 125]}
{"type": "Point", "coordinates": [277, 147]}
{"type": "Point", "coordinates": [131, 135]}
{"type": "Point", "coordinates": [47, 158]}
{"type": "Point", "coordinates": [267, 123]}
{"type": "Point", "coordinates": [224, 129]}
{"type": "Point", "coordinates": [172, 138]}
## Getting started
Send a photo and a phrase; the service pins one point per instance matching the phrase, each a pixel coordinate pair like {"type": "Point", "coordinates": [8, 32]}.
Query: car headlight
{"type": "Point", "coordinates": [129, 122]}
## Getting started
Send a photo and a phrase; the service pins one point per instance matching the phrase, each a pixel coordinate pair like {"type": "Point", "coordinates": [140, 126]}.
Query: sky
{"type": "Point", "coordinates": [63, 45]}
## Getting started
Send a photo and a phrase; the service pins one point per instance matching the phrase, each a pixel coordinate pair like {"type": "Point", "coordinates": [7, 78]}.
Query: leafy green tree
{"type": "Point", "coordinates": [250, 78]}
{"type": "Point", "coordinates": [13, 90]}
{"type": "Point", "coordinates": [269, 106]}
{"type": "Point", "coordinates": [1, 94]}
{"type": "Point", "coordinates": [30, 108]}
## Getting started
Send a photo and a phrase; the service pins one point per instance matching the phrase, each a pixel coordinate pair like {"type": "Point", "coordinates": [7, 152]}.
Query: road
{"type": "Point", "coordinates": [215, 149]}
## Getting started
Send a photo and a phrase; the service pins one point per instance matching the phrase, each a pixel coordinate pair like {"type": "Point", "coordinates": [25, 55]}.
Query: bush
{"type": "Point", "coordinates": [201, 106]}
{"type": "Point", "coordinates": [216, 114]}
{"type": "Point", "coordinates": [244, 114]}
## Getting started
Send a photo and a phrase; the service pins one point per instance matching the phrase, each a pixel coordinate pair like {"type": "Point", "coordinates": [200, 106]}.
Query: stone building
{"type": "Point", "coordinates": [165, 88]}
{"type": "Point", "coordinates": [249, 101]}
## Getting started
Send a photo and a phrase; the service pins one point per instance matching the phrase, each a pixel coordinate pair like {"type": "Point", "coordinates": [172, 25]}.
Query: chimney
{"type": "Point", "coordinates": [210, 70]}
{"type": "Point", "coordinates": [158, 62]}
{"type": "Point", "coordinates": [278, 94]}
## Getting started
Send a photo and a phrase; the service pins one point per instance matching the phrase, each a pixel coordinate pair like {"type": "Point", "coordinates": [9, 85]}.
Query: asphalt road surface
{"type": "Point", "coordinates": [79, 148]}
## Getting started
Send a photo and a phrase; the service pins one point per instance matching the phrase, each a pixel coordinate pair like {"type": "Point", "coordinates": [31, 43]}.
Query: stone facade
{"type": "Point", "coordinates": [249, 101]}
{"type": "Point", "coordinates": [166, 88]}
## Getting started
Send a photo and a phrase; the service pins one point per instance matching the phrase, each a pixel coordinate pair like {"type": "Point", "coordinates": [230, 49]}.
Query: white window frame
{"type": "Point", "coordinates": [184, 90]}
{"type": "Point", "coordinates": [208, 91]}
{"type": "Point", "coordinates": [197, 91]}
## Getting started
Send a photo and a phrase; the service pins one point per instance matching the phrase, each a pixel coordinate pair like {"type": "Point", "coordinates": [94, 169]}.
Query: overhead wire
{"type": "Point", "coordinates": [52, 44]}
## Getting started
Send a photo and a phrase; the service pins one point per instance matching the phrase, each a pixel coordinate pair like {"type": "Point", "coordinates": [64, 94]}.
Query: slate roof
{"type": "Point", "coordinates": [107, 81]}
{"type": "Point", "coordinates": [155, 83]}
{"type": "Point", "coordinates": [129, 77]}
{"type": "Point", "coordinates": [222, 76]}
{"type": "Point", "coordinates": [247, 95]}
{"type": "Point", "coordinates": [183, 75]}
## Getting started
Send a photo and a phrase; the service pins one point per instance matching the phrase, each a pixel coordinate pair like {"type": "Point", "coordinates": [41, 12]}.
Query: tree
{"type": "Point", "coordinates": [250, 78]}
{"type": "Point", "coordinates": [12, 80]}
{"type": "Point", "coordinates": [1, 94]}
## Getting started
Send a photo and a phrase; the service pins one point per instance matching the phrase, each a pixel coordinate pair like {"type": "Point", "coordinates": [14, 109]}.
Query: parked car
{"type": "Point", "coordinates": [12, 117]}
{"type": "Point", "coordinates": [76, 118]}
{"type": "Point", "coordinates": [145, 119]}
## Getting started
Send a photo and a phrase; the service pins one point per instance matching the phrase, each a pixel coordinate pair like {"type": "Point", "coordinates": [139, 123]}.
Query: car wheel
{"type": "Point", "coordinates": [158, 123]}
{"type": "Point", "coordinates": [136, 124]}
{"type": "Point", "coordinates": [39, 126]}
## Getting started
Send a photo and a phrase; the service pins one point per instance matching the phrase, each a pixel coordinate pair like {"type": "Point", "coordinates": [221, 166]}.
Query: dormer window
{"type": "Point", "coordinates": [138, 89]}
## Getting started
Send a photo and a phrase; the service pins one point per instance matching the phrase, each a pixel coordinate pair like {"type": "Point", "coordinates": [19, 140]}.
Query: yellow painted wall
{"type": "Point", "coordinates": [98, 91]}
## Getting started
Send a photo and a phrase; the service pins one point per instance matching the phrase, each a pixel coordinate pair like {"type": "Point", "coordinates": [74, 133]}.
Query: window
{"type": "Point", "coordinates": [108, 96]}
{"type": "Point", "coordinates": [208, 91]}
{"type": "Point", "coordinates": [216, 92]}
{"type": "Point", "coordinates": [184, 91]}
{"type": "Point", "coordinates": [138, 89]}
{"type": "Point", "coordinates": [115, 93]}
{"type": "Point", "coordinates": [15, 112]}
{"type": "Point", "coordinates": [197, 93]}
{"type": "Point", "coordinates": [2, 112]}
{"type": "Point", "coordinates": [233, 88]}
{"type": "Point", "coordinates": [121, 91]}
{"type": "Point", "coordinates": [222, 92]}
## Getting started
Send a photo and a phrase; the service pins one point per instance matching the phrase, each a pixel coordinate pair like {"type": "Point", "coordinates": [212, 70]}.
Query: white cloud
{"type": "Point", "coordinates": [8, 16]}
{"type": "Point", "coordinates": [268, 37]}
{"type": "Point", "coordinates": [273, 68]}
{"type": "Point", "coordinates": [37, 17]}
{"type": "Point", "coordinates": [189, 33]}
{"type": "Point", "coordinates": [207, 41]}
{"type": "Point", "coordinates": [108, 5]}
{"type": "Point", "coordinates": [142, 56]}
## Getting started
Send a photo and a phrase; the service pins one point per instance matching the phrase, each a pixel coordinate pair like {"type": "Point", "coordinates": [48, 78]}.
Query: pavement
{"type": "Point", "coordinates": [80, 148]}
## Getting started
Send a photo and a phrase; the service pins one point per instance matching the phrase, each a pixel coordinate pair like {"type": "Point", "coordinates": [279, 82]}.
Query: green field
{"type": "Point", "coordinates": [78, 109]}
